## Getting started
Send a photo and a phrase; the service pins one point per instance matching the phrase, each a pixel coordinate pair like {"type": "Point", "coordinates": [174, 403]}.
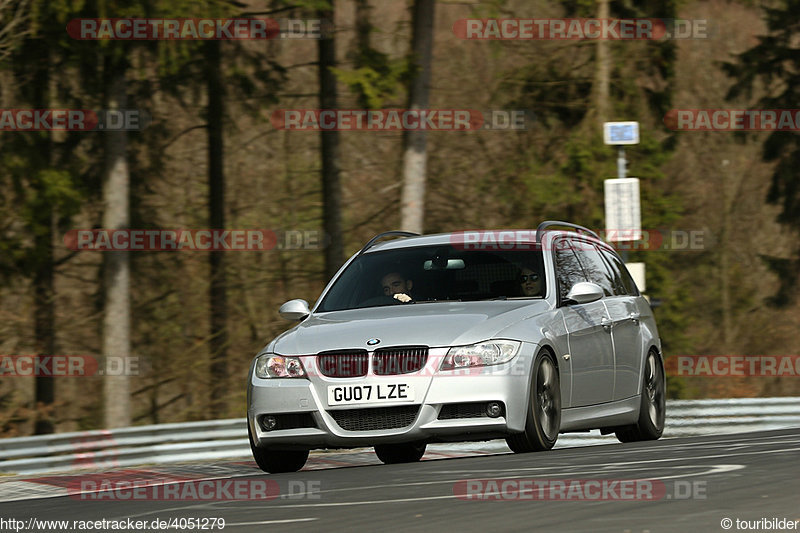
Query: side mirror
{"type": "Point", "coordinates": [585, 292]}
{"type": "Point", "coordinates": [294, 310]}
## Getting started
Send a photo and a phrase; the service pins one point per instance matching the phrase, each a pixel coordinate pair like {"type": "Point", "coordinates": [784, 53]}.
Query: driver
{"type": "Point", "coordinates": [530, 283]}
{"type": "Point", "coordinates": [395, 285]}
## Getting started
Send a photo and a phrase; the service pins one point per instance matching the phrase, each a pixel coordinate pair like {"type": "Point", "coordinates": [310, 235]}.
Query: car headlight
{"type": "Point", "coordinates": [279, 366]}
{"type": "Point", "coordinates": [481, 354]}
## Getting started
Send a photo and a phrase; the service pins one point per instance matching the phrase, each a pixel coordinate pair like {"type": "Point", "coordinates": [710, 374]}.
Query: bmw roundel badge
{"type": "Point", "coordinates": [373, 342]}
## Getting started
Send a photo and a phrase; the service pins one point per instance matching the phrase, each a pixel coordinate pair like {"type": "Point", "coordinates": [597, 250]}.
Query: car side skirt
{"type": "Point", "coordinates": [617, 413]}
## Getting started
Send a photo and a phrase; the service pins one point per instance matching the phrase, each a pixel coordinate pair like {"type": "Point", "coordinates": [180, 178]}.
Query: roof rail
{"type": "Point", "coordinates": [395, 233]}
{"type": "Point", "coordinates": [547, 223]}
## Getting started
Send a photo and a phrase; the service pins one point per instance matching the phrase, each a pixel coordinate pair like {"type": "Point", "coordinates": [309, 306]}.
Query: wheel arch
{"type": "Point", "coordinates": [550, 350]}
{"type": "Point", "coordinates": [652, 348]}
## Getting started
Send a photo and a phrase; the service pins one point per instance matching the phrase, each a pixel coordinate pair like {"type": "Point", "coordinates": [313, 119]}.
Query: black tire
{"type": "Point", "coordinates": [544, 410]}
{"type": "Point", "coordinates": [407, 452]}
{"type": "Point", "coordinates": [653, 406]}
{"type": "Point", "coordinates": [277, 461]}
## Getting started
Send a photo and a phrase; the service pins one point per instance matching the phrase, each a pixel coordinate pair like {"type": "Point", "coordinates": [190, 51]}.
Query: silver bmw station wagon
{"type": "Point", "coordinates": [465, 336]}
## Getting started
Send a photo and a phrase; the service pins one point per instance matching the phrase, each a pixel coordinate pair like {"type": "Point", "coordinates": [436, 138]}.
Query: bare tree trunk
{"type": "Point", "coordinates": [44, 323]}
{"type": "Point", "coordinates": [44, 291]}
{"type": "Point", "coordinates": [414, 142]}
{"type": "Point", "coordinates": [725, 289]}
{"type": "Point", "coordinates": [727, 188]}
{"type": "Point", "coordinates": [331, 184]}
{"type": "Point", "coordinates": [218, 298]}
{"type": "Point", "coordinates": [603, 72]}
{"type": "Point", "coordinates": [116, 311]}
{"type": "Point", "coordinates": [363, 30]}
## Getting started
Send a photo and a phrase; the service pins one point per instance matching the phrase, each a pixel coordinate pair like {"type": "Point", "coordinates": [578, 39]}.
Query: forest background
{"type": "Point", "coordinates": [211, 158]}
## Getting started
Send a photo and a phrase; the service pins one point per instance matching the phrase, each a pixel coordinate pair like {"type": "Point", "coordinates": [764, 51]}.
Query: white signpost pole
{"type": "Point", "coordinates": [622, 205]}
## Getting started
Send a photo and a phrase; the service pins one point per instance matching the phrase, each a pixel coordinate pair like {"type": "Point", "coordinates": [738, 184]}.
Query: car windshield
{"type": "Point", "coordinates": [435, 274]}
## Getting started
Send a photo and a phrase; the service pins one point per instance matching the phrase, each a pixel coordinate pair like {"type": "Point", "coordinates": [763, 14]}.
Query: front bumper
{"type": "Point", "coordinates": [424, 420]}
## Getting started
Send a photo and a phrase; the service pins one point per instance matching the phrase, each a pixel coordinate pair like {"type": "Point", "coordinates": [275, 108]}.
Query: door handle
{"type": "Point", "coordinates": [634, 317]}
{"type": "Point", "coordinates": [606, 323]}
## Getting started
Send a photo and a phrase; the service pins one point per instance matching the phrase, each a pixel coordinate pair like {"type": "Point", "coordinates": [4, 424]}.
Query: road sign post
{"type": "Point", "coordinates": [623, 208]}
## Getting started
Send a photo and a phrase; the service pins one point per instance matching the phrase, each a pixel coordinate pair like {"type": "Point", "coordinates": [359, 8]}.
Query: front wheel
{"type": "Point", "coordinates": [277, 461]}
{"type": "Point", "coordinates": [407, 452]}
{"type": "Point", "coordinates": [544, 410]}
{"type": "Point", "coordinates": [653, 407]}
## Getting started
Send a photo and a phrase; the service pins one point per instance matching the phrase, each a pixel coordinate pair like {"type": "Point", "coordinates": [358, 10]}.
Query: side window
{"type": "Point", "coordinates": [568, 269]}
{"type": "Point", "coordinates": [594, 266]}
{"type": "Point", "coordinates": [613, 263]}
{"type": "Point", "coordinates": [627, 280]}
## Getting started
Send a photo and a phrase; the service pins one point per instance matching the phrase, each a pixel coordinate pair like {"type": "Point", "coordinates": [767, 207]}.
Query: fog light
{"type": "Point", "coordinates": [494, 409]}
{"type": "Point", "coordinates": [269, 423]}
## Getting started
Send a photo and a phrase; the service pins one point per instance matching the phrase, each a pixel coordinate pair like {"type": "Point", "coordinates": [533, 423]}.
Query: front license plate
{"type": "Point", "coordinates": [385, 392]}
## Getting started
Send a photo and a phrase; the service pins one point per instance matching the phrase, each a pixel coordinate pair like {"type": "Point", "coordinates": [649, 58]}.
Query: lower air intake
{"type": "Point", "coordinates": [376, 418]}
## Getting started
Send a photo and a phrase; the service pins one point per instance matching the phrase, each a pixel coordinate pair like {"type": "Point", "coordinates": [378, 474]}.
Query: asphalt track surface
{"type": "Point", "coordinates": [699, 482]}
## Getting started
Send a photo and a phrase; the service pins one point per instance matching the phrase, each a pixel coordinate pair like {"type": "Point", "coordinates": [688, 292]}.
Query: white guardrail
{"type": "Point", "coordinates": [227, 439]}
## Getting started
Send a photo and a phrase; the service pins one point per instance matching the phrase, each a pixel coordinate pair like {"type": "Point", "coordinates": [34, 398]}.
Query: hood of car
{"type": "Point", "coordinates": [431, 324]}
